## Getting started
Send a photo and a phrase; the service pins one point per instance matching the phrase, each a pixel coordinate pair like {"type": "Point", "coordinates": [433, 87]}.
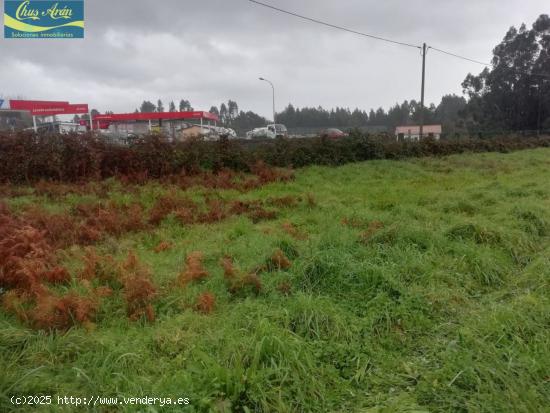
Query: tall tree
{"type": "Point", "coordinates": [449, 113]}
{"type": "Point", "coordinates": [506, 96]}
{"type": "Point", "coordinates": [232, 110]}
{"type": "Point", "coordinates": [185, 106]}
{"type": "Point", "coordinates": [172, 107]}
{"type": "Point", "coordinates": [246, 121]}
{"type": "Point", "coordinates": [223, 114]}
{"type": "Point", "coordinates": [147, 107]}
{"type": "Point", "coordinates": [160, 107]}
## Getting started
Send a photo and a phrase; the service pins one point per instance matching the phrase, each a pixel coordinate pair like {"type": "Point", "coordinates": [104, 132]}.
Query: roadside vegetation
{"type": "Point", "coordinates": [386, 286]}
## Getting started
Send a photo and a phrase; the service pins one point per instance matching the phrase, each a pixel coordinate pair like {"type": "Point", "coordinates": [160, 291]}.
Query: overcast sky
{"type": "Point", "coordinates": [210, 51]}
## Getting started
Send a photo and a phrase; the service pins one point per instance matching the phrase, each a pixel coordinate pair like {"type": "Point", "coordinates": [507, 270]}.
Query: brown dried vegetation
{"type": "Point", "coordinates": [278, 261]}
{"type": "Point", "coordinates": [62, 312]}
{"type": "Point", "coordinates": [205, 303]}
{"type": "Point", "coordinates": [239, 282]}
{"type": "Point", "coordinates": [284, 288]}
{"type": "Point", "coordinates": [229, 272]}
{"type": "Point", "coordinates": [27, 268]}
{"type": "Point", "coordinates": [167, 205]}
{"type": "Point", "coordinates": [230, 179]}
{"type": "Point", "coordinates": [162, 246]}
{"type": "Point", "coordinates": [373, 228]}
{"type": "Point", "coordinates": [294, 232]}
{"type": "Point", "coordinates": [194, 269]}
{"type": "Point", "coordinates": [139, 290]}
{"type": "Point", "coordinates": [284, 201]}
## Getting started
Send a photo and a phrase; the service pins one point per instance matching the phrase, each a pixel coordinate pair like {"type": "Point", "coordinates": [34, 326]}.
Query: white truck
{"type": "Point", "coordinates": [268, 132]}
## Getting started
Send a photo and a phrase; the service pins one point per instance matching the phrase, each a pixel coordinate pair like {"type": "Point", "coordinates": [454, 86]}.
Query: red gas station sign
{"type": "Point", "coordinates": [75, 109]}
{"type": "Point", "coordinates": [48, 108]}
{"type": "Point", "coordinates": [31, 105]}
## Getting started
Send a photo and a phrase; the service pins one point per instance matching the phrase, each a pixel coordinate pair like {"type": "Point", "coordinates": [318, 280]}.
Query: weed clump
{"type": "Point", "coordinates": [168, 204]}
{"type": "Point", "coordinates": [97, 220]}
{"type": "Point", "coordinates": [102, 268]}
{"type": "Point", "coordinates": [229, 271]}
{"type": "Point", "coordinates": [62, 312]}
{"type": "Point", "coordinates": [372, 229]}
{"type": "Point", "coordinates": [163, 246]}
{"type": "Point", "coordinates": [261, 214]}
{"type": "Point", "coordinates": [533, 221]}
{"type": "Point", "coordinates": [284, 288]}
{"type": "Point", "coordinates": [216, 212]}
{"type": "Point", "coordinates": [205, 303]}
{"type": "Point", "coordinates": [310, 200]}
{"type": "Point", "coordinates": [139, 289]}
{"type": "Point", "coordinates": [474, 233]}
{"type": "Point", "coordinates": [293, 231]}
{"type": "Point", "coordinates": [288, 201]}
{"type": "Point", "coordinates": [194, 270]}
{"type": "Point", "coordinates": [278, 261]}
{"type": "Point", "coordinates": [268, 174]}
{"type": "Point", "coordinates": [246, 284]}
{"type": "Point", "coordinates": [238, 282]}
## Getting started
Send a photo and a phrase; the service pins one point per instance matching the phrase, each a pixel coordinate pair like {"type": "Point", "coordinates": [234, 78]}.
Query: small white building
{"type": "Point", "coordinates": [412, 132]}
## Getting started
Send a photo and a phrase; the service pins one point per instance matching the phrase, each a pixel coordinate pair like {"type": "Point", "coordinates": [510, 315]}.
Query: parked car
{"type": "Point", "coordinates": [279, 130]}
{"type": "Point", "coordinates": [333, 133]}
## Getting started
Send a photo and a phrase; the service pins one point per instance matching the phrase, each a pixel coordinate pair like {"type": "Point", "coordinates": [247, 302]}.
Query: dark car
{"type": "Point", "coordinates": [333, 133]}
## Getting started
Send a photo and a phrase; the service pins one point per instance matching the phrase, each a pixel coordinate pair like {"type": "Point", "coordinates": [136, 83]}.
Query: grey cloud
{"type": "Point", "coordinates": [214, 50]}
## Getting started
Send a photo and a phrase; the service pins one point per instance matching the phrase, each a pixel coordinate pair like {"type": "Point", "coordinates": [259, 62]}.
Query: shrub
{"type": "Point", "coordinates": [62, 312]}
{"type": "Point", "coordinates": [26, 157]}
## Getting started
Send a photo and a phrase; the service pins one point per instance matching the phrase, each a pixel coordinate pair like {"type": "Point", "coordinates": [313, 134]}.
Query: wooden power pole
{"type": "Point", "coordinates": [422, 91]}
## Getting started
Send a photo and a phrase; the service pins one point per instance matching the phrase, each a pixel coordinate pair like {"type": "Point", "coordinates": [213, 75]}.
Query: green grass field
{"type": "Point", "coordinates": [415, 286]}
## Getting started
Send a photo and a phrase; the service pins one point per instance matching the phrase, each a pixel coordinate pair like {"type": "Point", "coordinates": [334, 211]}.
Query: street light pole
{"type": "Point", "coordinates": [539, 87]}
{"type": "Point", "coordinates": [538, 115]}
{"type": "Point", "coordinates": [273, 88]}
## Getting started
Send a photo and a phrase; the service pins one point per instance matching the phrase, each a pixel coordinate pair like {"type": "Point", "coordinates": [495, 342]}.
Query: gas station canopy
{"type": "Point", "coordinates": [134, 117]}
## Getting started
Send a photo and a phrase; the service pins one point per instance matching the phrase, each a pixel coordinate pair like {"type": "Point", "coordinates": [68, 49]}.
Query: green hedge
{"type": "Point", "coordinates": [25, 157]}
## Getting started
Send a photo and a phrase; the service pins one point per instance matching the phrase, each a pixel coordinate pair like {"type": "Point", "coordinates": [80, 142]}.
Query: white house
{"type": "Point", "coordinates": [412, 132]}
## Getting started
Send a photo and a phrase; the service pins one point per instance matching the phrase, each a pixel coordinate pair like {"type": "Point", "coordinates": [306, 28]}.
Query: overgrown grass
{"type": "Point", "coordinates": [415, 286]}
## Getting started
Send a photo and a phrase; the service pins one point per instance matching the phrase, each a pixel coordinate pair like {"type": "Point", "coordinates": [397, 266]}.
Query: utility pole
{"type": "Point", "coordinates": [422, 91]}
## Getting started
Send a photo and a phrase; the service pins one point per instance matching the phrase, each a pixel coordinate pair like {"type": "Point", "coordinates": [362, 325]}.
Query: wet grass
{"type": "Point", "coordinates": [442, 305]}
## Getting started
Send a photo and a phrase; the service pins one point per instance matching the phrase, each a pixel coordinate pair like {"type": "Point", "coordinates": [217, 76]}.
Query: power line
{"type": "Point", "coordinates": [334, 26]}
{"type": "Point", "coordinates": [487, 64]}
{"type": "Point", "coordinates": [460, 57]}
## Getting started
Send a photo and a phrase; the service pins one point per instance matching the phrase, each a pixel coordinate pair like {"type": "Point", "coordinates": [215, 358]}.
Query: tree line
{"type": "Point", "coordinates": [511, 95]}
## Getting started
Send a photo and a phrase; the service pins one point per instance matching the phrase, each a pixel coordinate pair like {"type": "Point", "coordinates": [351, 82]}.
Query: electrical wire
{"type": "Point", "coordinates": [486, 64]}
{"type": "Point", "coordinates": [460, 57]}
{"type": "Point", "coordinates": [334, 26]}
